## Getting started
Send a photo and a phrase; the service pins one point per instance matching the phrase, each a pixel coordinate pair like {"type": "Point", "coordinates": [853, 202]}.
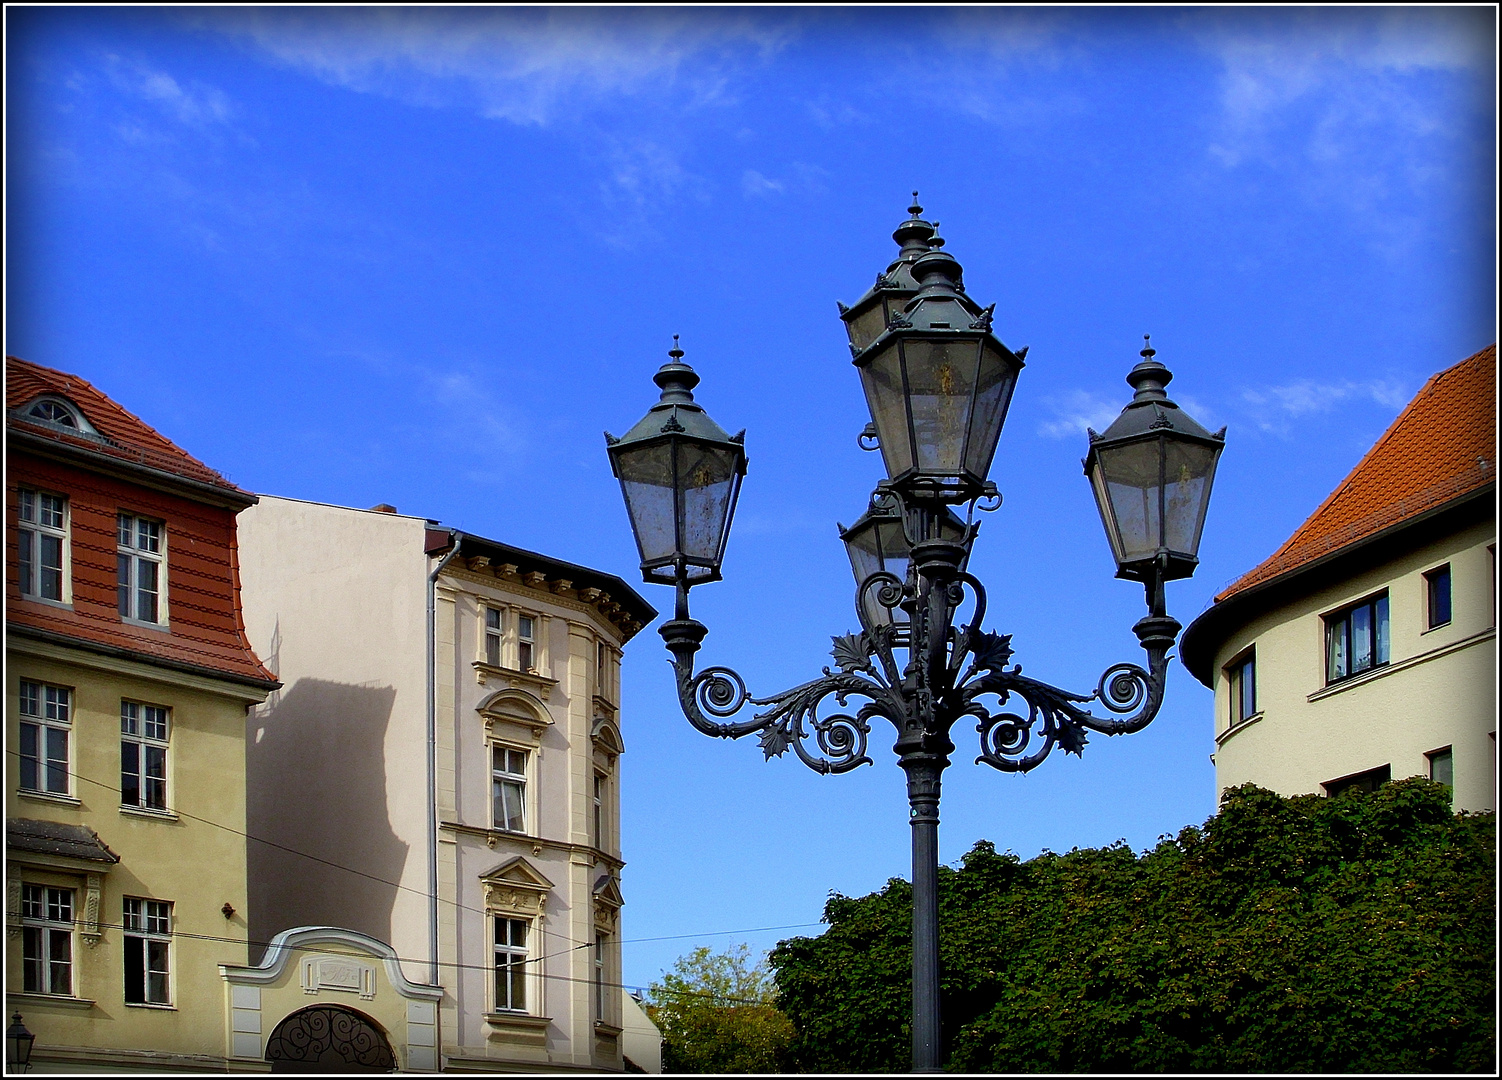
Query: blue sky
{"type": "Point", "coordinates": [425, 257]}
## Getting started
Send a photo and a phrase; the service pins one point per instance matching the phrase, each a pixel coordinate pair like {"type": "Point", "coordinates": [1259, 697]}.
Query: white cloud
{"type": "Point", "coordinates": [754, 184]}
{"type": "Point", "coordinates": [1337, 72]}
{"type": "Point", "coordinates": [1274, 406]}
{"type": "Point", "coordinates": [1076, 411]}
{"type": "Point", "coordinates": [195, 104]}
{"type": "Point", "coordinates": [524, 65]}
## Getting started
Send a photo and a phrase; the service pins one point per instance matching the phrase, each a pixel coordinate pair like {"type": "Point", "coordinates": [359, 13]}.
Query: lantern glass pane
{"type": "Point", "coordinates": [867, 326]}
{"type": "Point", "coordinates": [646, 474]}
{"type": "Point", "coordinates": [994, 383]}
{"type": "Point", "coordinates": [706, 475]}
{"type": "Point", "coordinates": [874, 545]}
{"type": "Point", "coordinates": [1107, 515]}
{"type": "Point", "coordinates": [882, 380]}
{"type": "Point", "coordinates": [1188, 470]}
{"type": "Point", "coordinates": [1131, 476]}
{"type": "Point", "coordinates": [940, 382]}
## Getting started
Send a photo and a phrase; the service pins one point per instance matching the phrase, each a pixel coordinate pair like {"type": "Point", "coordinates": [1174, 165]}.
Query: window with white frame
{"type": "Point", "coordinates": [511, 964]}
{"type": "Point", "coordinates": [526, 645]}
{"type": "Point", "coordinates": [46, 720]}
{"type": "Point", "coordinates": [508, 787]}
{"type": "Point", "coordinates": [42, 546]}
{"type": "Point", "coordinates": [148, 943]}
{"type": "Point", "coordinates": [602, 998]}
{"type": "Point", "coordinates": [139, 573]}
{"type": "Point", "coordinates": [599, 811]}
{"type": "Point", "coordinates": [47, 940]}
{"type": "Point", "coordinates": [493, 636]}
{"type": "Point", "coordinates": [143, 755]}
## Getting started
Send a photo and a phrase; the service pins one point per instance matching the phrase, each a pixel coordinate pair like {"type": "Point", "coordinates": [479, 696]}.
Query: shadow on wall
{"type": "Point", "coordinates": [316, 812]}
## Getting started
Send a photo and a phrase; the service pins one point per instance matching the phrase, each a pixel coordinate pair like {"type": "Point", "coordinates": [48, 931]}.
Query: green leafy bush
{"type": "Point", "coordinates": [1286, 934]}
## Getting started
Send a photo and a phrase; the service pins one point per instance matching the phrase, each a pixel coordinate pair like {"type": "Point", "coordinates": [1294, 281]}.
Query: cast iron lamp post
{"type": "Point", "coordinates": [18, 1042]}
{"type": "Point", "coordinates": [938, 384]}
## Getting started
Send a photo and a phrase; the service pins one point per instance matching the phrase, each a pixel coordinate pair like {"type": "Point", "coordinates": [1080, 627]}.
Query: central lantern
{"type": "Point", "coordinates": [938, 384]}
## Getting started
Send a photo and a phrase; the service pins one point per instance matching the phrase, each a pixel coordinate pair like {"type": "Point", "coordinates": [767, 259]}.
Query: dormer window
{"type": "Point", "coordinates": [59, 411]}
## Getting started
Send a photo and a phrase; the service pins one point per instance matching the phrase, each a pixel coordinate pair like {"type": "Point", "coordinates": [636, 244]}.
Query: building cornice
{"type": "Point", "coordinates": [47, 645]}
{"type": "Point", "coordinates": [537, 843]}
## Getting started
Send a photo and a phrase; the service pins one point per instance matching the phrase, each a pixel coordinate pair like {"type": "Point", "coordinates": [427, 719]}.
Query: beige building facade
{"type": "Point", "coordinates": [1365, 648]}
{"type": "Point", "coordinates": [457, 701]}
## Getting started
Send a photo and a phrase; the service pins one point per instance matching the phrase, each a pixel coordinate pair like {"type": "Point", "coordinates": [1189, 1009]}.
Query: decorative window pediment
{"type": "Point", "coordinates": [606, 736]}
{"type": "Point", "coordinates": [607, 903]}
{"type": "Point", "coordinates": [516, 713]}
{"type": "Point", "coordinates": [516, 887]}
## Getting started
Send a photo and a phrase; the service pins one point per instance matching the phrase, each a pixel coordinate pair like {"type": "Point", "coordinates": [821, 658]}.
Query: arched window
{"type": "Point", "coordinates": [55, 410]}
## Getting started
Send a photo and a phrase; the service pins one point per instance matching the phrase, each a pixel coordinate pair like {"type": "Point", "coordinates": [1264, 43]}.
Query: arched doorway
{"type": "Point", "coordinates": [328, 1039]}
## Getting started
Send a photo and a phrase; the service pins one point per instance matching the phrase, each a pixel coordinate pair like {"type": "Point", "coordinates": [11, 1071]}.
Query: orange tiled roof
{"type": "Point", "coordinates": [125, 436]}
{"type": "Point", "coordinates": [1441, 446]}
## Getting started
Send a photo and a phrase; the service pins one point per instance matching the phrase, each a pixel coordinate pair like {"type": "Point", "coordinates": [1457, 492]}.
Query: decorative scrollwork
{"type": "Point", "coordinates": [1123, 688]}
{"type": "Point", "coordinates": [719, 691]}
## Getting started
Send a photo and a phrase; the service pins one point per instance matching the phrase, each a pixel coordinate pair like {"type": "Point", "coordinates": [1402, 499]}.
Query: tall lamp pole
{"type": "Point", "coordinates": [938, 383]}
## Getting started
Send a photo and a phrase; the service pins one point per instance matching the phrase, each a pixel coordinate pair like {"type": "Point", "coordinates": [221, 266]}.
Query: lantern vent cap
{"type": "Point", "coordinates": [676, 413]}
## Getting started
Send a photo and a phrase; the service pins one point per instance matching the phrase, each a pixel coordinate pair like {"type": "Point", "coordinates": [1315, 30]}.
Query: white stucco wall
{"type": "Point", "coordinates": [1439, 688]}
{"type": "Point", "coordinates": [335, 603]}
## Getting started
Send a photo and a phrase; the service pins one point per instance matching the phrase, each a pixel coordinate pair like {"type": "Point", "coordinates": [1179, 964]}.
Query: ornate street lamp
{"type": "Point", "coordinates": [18, 1043]}
{"type": "Point", "coordinates": [938, 384]}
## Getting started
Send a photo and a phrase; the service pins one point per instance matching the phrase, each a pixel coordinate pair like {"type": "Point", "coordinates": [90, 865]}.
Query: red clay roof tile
{"type": "Point", "coordinates": [126, 436]}
{"type": "Point", "coordinates": [1440, 447]}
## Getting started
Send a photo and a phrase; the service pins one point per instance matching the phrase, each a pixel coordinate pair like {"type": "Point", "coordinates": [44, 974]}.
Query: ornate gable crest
{"type": "Point", "coordinates": [515, 888]}
{"type": "Point", "coordinates": [607, 905]}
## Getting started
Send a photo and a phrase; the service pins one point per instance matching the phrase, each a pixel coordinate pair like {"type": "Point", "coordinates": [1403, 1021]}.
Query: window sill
{"type": "Point", "coordinates": [65, 605]}
{"type": "Point", "coordinates": [609, 1031]}
{"type": "Point", "coordinates": [1438, 626]}
{"type": "Point", "coordinates": [142, 624]}
{"type": "Point", "coordinates": [48, 796]}
{"type": "Point", "coordinates": [50, 999]}
{"type": "Point", "coordinates": [143, 812]}
{"type": "Point", "coordinates": [150, 1005]}
{"type": "Point", "coordinates": [523, 1019]}
{"type": "Point", "coordinates": [1239, 726]}
{"type": "Point", "coordinates": [1402, 665]}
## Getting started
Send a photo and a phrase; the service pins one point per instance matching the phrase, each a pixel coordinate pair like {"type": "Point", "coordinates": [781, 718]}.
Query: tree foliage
{"type": "Point", "coordinates": [718, 1014]}
{"type": "Point", "coordinates": [1286, 934]}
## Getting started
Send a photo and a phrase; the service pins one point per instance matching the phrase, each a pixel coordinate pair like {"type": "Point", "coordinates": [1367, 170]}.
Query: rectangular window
{"type": "Point", "coordinates": [143, 755]}
{"type": "Point", "coordinates": [1241, 676]}
{"type": "Point", "coordinates": [138, 564]}
{"type": "Point", "coordinates": [42, 546]}
{"type": "Point", "coordinates": [1442, 766]}
{"type": "Point", "coordinates": [510, 965]}
{"type": "Point", "coordinates": [493, 637]}
{"type": "Point", "coordinates": [47, 945]}
{"type": "Point", "coordinates": [602, 669]}
{"type": "Point", "coordinates": [509, 788]}
{"type": "Point", "coordinates": [525, 646]}
{"type": "Point", "coordinates": [1438, 582]}
{"type": "Point", "coordinates": [600, 987]}
{"type": "Point", "coordinates": [1367, 781]}
{"type": "Point", "coordinates": [599, 809]}
{"type": "Point", "coordinates": [148, 939]}
{"type": "Point", "coordinates": [1356, 639]}
{"type": "Point", "coordinates": [46, 718]}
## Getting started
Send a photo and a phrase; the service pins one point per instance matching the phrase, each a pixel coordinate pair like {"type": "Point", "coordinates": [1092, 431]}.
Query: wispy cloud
{"type": "Point", "coordinates": [1335, 73]}
{"type": "Point", "coordinates": [193, 103]}
{"type": "Point", "coordinates": [799, 178]}
{"type": "Point", "coordinates": [1274, 407]}
{"type": "Point", "coordinates": [1077, 410]}
{"type": "Point", "coordinates": [523, 65]}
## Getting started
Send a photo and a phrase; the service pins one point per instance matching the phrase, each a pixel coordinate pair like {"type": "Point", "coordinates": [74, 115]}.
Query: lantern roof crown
{"type": "Point", "coordinates": [1151, 411]}
{"type": "Point", "coordinates": [676, 412]}
{"type": "Point", "coordinates": [913, 236]}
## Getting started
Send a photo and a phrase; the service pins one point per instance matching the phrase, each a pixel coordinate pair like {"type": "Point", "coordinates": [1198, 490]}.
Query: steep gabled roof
{"type": "Point", "coordinates": [1440, 447]}
{"type": "Point", "coordinates": [121, 435]}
